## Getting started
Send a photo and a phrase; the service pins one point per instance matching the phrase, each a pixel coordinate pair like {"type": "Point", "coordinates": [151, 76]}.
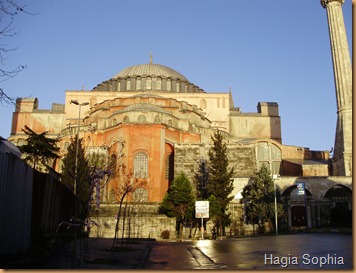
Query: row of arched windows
{"type": "Point", "coordinates": [147, 83]}
{"type": "Point", "coordinates": [140, 119]}
{"type": "Point", "coordinates": [141, 171]}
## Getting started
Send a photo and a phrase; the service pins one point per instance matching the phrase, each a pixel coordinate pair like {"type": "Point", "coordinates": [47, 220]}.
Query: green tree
{"type": "Point", "coordinates": [69, 171]}
{"type": "Point", "coordinates": [179, 201]}
{"type": "Point", "coordinates": [39, 149]}
{"type": "Point", "coordinates": [201, 181]}
{"type": "Point", "coordinates": [258, 199]}
{"type": "Point", "coordinates": [220, 182]}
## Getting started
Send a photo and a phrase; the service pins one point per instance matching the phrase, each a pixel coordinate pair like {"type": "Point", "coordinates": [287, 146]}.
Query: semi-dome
{"type": "Point", "coordinates": [148, 77]}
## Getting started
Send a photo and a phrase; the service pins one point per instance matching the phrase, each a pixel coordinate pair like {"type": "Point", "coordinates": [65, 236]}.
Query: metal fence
{"type": "Point", "coordinates": [32, 205]}
{"type": "Point", "coordinates": [16, 180]}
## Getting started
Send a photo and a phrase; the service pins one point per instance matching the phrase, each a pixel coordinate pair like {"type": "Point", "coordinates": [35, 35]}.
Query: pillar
{"type": "Point", "coordinates": [342, 159]}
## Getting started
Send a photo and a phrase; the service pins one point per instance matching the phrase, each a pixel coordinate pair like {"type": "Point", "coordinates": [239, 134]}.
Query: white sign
{"type": "Point", "coordinates": [201, 209]}
{"type": "Point", "coordinates": [301, 188]}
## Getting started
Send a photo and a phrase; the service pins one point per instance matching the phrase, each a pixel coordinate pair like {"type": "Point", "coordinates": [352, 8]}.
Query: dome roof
{"type": "Point", "coordinates": [148, 77]}
{"type": "Point", "coordinates": [150, 69]}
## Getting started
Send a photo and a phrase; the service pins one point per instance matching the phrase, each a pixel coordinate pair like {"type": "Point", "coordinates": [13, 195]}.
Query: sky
{"type": "Point", "coordinates": [271, 50]}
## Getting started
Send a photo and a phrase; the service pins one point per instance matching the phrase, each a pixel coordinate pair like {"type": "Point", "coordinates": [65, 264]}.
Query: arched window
{"type": "Point", "coordinates": [159, 84]}
{"type": "Point", "coordinates": [270, 155]}
{"type": "Point", "coordinates": [126, 119]}
{"type": "Point", "coordinates": [203, 104]}
{"type": "Point", "coordinates": [141, 119]}
{"type": "Point", "coordinates": [149, 83]}
{"type": "Point", "coordinates": [92, 101]}
{"type": "Point", "coordinates": [157, 119]}
{"type": "Point", "coordinates": [128, 84]}
{"type": "Point", "coordinates": [141, 165]}
{"type": "Point", "coordinates": [138, 83]}
{"type": "Point", "coordinates": [170, 122]}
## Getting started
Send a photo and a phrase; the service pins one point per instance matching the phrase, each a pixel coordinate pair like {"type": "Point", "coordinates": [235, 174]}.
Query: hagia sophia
{"type": "Point", "coordinates": [166, 122]}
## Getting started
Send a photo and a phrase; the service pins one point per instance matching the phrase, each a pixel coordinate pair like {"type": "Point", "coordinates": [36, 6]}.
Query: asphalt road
{"type": "Point", "coordinates": [297, 251]}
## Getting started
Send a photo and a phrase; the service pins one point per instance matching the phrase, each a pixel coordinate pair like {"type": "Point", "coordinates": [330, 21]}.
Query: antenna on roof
{"type": "Point", "coordinates": [150, 57]}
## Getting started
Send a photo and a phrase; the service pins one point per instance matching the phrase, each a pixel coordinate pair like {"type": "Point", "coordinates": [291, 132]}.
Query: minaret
{"type": "Point", "coordinates": [342, 159]}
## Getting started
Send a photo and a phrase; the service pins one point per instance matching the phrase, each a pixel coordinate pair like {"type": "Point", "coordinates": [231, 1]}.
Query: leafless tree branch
{"type": "Point", "coordinates": [8, 10]}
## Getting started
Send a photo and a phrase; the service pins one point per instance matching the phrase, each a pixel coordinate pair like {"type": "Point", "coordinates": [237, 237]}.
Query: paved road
{"type": "Point", "coordinates": [297, 251]}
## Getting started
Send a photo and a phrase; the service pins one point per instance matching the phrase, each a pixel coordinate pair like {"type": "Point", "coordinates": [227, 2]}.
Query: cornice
{"type": "Point", "coordinates": [325, 3]}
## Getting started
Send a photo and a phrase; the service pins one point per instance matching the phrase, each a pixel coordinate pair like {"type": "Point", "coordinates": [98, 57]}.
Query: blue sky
{"type": "Point", "coordinates": [272, 50]}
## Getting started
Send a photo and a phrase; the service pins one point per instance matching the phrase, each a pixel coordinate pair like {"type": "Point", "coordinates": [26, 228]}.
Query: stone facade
{"type": "Point", "coordinates": [142, 221]}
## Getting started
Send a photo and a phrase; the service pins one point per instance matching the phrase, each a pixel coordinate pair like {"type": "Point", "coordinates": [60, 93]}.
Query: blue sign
{"type": "Point", "coordinates": [301, 188]}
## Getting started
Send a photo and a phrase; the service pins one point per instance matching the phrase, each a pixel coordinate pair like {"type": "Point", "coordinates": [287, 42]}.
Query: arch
{"type": "Point", "coordinates": [291, 192]}
{"type": "Point", "coordinates": [339, 193]}
{"type": "Point", "coordinates": [203, 104]}
{"type": "Point", "coordinates": [341, 211]}
{"type": "Point", "coordinates": [141, 119]}
{"type": "Point", "coordinates": [92, 101]}
{"type": "Point", "coordinates": [126, 119]}
{"type": "Point", "coordinates": [159, 83]}
{"type": "Point", "coordinates": [269, 154]}
{"type": "Point", "coordinates": [297, 206]}
{"type": "Point", "coordinates": [149, 83]}
{"type": "Point", "coordinates": [138, 83]}
{"type": "Point", "coordinates": [128, 84]}
{"type": "Point", "coordinates": [170, 122]}
{"type": "Point", "coordinates": [169, 162]}
{"type": "Point", "coordinates": [169, 84]}
{"type": "Point", "coordinates": [157, 119]}
{"type": "Point", "coordinates": [141, 165]}
{"type": "Point", "coordinates": [114, 122]}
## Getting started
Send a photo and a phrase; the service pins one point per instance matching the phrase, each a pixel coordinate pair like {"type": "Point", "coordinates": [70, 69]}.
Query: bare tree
{"type": "Point", "coordinates": [8, 11]}
{"type": "Point", "coordinates": [124, 191]}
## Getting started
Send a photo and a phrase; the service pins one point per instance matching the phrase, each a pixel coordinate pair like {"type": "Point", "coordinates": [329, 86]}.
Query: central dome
{"type": "Point", "coordinates": [153, 70]}
{"type": "Point", "coordinates": [148, 78]}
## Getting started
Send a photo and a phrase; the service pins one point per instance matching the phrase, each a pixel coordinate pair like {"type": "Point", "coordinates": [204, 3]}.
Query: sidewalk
{"type": "Point", "coordinates": [98, 253]}
{"type": "Point", "coordinates": [89, 253]}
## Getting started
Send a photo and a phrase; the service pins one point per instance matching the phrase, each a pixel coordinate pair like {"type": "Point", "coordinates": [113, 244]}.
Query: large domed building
{"type": "Point", "coordinates": [166, 123]}
{"type": "Point", "coordinates": [157, 123]}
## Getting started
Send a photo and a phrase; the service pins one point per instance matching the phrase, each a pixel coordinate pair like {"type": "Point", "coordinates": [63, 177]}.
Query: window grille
{"type": "Point", "coordinates": [141, 165]}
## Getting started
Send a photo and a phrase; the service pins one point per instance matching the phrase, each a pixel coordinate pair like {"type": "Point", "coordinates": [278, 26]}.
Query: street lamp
{"type": "Point", "coordinates": [76, 151]}
{"type": "Point", "coordinates": [275, 176]}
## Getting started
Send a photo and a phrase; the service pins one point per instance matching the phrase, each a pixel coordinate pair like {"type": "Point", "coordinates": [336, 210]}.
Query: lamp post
{"type": "Point", "coordinates": [76, 151]}
{"type": "Point", "coordinates": [275, 176]}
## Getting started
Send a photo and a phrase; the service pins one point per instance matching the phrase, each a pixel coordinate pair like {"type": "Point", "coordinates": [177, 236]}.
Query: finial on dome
{"type": "Point", "coordinates": [150, 57]}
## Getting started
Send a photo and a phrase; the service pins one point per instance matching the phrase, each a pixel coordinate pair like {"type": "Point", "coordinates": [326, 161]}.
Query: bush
{"type": "Point", "coordinates": [165, 234]}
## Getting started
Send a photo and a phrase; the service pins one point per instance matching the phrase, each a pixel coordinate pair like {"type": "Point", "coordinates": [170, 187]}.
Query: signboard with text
{"type": "Point", "coordinates": [301, 188]}
{"type": "Point", "coordinates": [201, 209]}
